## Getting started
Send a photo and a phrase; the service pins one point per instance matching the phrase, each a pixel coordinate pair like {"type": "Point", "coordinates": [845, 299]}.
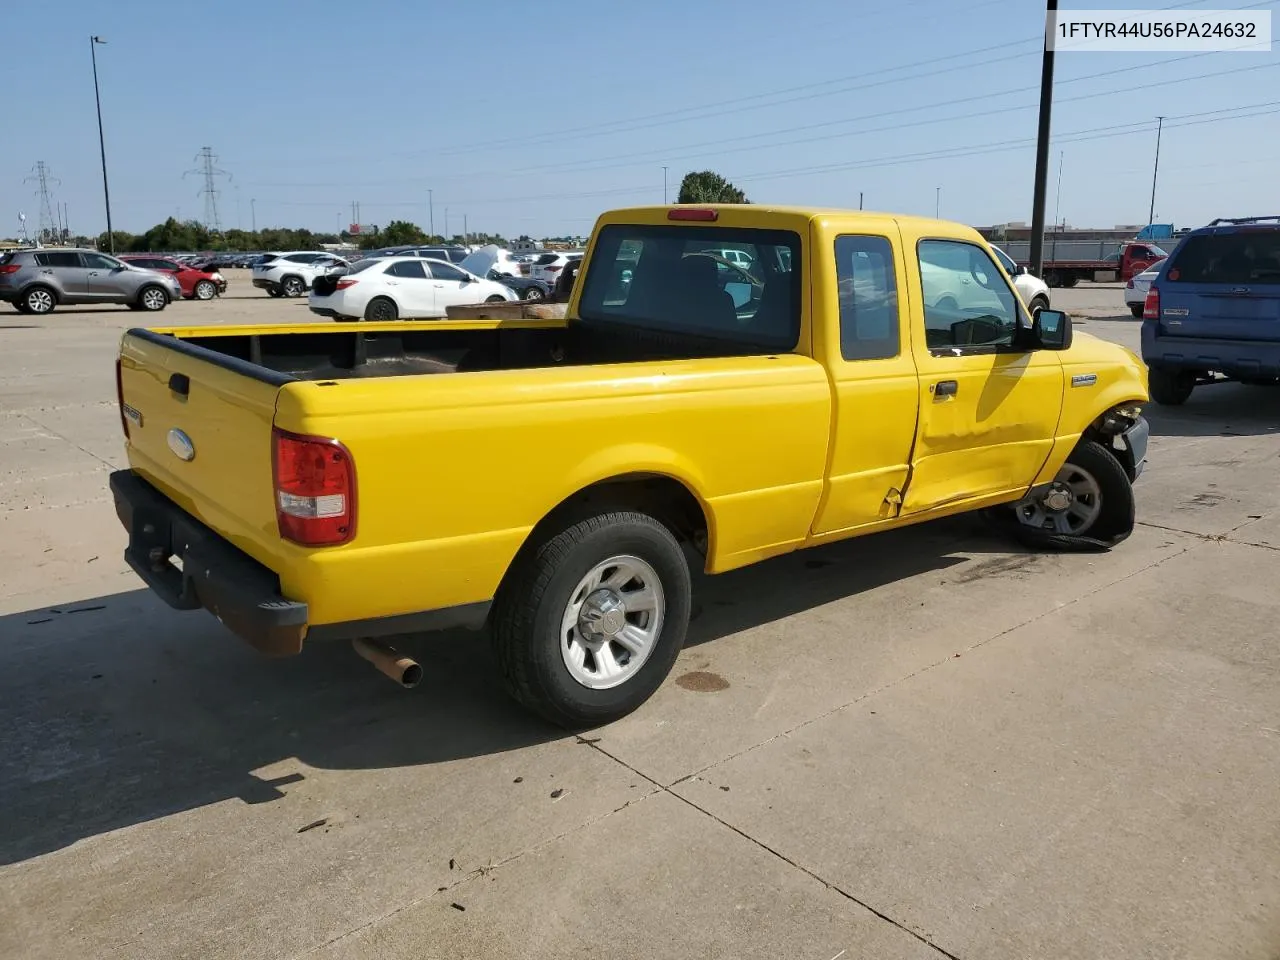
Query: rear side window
{"type": "Point", "coordinates": [58, 259]}
{"type": "Point", "coordinates": [868, 286]}
{"type": "Point", "coordinates": [409, 269]}
{"type": "Point", "coordinates": [1242, 257]}
{"type": "Point", "coordinates": [661, 278]}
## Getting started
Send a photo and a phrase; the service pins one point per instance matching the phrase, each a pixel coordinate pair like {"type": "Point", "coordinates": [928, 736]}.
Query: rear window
{"type": "Point", "coordinates": [1236, 258]}
{"type": "Point", "coordinates": [362, 265]}
{"type": "Point", "coordinates": [661, 278]}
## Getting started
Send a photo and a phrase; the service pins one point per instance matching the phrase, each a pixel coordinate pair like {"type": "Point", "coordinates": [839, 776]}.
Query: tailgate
{"type": "Point", "coordinates": [200, 432]}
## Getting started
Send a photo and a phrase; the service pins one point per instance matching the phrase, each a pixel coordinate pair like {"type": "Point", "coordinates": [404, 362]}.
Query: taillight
{"type": "Point", "coordinates": [1151, 309]}
{"type": "Point", "coordinates": [315, 486]}
{"type": "Point", "coordinates": [343, 284]}
{"type": "Point", "coordinates": [10, 268]}
{"type": "Point", "coordinates": [1129, 285]}
{"type": "Point", "coordinates": [124, 421]}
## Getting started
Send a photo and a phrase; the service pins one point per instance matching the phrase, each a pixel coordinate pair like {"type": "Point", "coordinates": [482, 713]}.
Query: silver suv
{"type": "Point", "coordinates": [36, 281]}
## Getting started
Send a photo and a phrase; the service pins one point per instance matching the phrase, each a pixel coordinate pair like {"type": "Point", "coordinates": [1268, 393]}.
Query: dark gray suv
{"type": "Point", "coordinates": [36, 281]}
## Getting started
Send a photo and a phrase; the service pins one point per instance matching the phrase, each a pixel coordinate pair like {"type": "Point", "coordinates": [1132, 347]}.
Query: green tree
{"type": "Point", "coordinates": [124, 241]}
{"type": "Point", "coordinates": [399, 233]}
{"type": "Point", "coordinates": [707, 186]}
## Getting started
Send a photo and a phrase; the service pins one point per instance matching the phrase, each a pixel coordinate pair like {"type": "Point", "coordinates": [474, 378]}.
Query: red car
{"type": "Point", "coordinates": [196, 284]}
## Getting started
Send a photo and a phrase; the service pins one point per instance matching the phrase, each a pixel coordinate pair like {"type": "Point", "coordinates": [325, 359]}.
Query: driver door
{"type": "Point", "coordinates": [988, 411]}
{"type": "Point", "coordinates": [104, 277]}
{"type": "Point", "coordinates": [453, 286]}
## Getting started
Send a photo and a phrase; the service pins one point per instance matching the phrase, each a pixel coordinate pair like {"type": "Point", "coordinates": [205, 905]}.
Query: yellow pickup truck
{"type": "Point", "coordinates": [841, 373]}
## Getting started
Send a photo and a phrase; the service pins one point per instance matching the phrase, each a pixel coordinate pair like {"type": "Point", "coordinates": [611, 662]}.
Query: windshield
{"type": "Point", "coordinates": [661, 278]}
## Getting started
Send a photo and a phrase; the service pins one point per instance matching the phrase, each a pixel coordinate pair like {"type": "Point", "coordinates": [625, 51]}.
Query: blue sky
{"type": "Point", "coordinates": [312, 105]}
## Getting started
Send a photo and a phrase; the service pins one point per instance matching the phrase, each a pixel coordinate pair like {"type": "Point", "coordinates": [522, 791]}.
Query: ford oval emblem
{"type": "Point", "coordinates": [181, 445]}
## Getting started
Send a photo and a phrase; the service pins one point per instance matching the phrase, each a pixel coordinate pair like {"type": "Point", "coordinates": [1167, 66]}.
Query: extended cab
{"type": "Point", "coordinates": [549, 479]}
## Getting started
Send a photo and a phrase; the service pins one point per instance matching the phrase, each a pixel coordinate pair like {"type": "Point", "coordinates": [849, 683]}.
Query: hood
{"type": "Point", "coordinates": [482, 260]}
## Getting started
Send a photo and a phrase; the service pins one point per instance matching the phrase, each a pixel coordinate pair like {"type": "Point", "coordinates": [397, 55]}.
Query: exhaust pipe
{"type": "Point", "coordinates": [403, 670]}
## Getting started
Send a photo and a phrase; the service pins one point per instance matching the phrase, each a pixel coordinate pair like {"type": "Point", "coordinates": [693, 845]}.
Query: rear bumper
{"type": "Point", "coordinates": [1239, 359]}
{"type": "Point", "coordinates": [215, 575]}
{"type": "Point", "coordinates": [264, 283]}
{"type": "Point", "coordinates": [325, 312]}
{"type": "Point", "coordinates": [242, 593]}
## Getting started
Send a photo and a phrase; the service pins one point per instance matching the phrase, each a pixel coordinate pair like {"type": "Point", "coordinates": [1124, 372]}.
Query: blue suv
{"type": "Point", "coordinates": [1213, 311]}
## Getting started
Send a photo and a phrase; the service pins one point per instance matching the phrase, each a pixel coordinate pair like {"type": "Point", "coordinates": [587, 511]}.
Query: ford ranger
{"type": "Point", "coordinates": [548, 480]}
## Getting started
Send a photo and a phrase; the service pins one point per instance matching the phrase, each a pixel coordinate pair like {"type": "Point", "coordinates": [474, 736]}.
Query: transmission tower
{"type": "Point", "coordinates": [48, 229]}
{"type": "Point", "coordinates": [210, 171]}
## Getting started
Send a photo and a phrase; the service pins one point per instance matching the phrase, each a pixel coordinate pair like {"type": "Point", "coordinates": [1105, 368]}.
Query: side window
{"type": "Point", "coordinates": [304, 257]}
{"type": "Point", "coordinates": [96, 261]}
{"type": "Point", "coordinates": [445, 271]}
{"type": "Point", "coordinates": [868, 288]}
{"type": "Point", "coordinates": [59, 259]}
{"type": "Point", "coordinates": [409, 269]}
{"type": "Point", "coordinates": [967, 301]}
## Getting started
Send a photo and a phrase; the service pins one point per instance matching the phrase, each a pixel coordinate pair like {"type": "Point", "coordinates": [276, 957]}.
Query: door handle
{"type": "Point", "coordinates": [945, 388]}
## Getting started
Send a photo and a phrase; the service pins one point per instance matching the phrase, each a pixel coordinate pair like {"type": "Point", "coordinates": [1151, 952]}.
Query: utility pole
{"type": "Point", "coordinates": [446, 224]}
{"type": "Point", "coordinates": [1042, 144]}
{"type": "Point", "coordinates": [1155, 169]}
{"type": "Point", "coordinates": [664, 186]}
{"type": "Point", "coordinates": [937, 202]}
{"type": "Point", "coordinates": [253, 214]}
{"type": "Point", "coordinates": [859, 199]}
{"type": "Point", "coordinates": [43, 178]}
{"type": "Point", "coordinates": [208, 170]}
{"type": "Point", "coordinates": [102, 143]}
{"type": "Point", "coordinates": [1057, 202]}
{"type": "Point", "coordinates": [431, 212]}
{"type": "Point", "coordinates": [466, 234]}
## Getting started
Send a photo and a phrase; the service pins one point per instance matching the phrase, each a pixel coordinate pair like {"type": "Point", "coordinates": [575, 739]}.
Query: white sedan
{"type": "Point", "coordinates": [1135, 291]}
{"type": "Point", "coordinates": [395, 288]}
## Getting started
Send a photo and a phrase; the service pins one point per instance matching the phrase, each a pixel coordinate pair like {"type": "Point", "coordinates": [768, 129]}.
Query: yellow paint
{"type": "Point", "coordinates": [781, 452]}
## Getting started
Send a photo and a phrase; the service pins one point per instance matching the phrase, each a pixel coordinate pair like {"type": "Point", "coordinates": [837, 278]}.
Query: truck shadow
{"type": "Point", "coordinates": [117, 710]}
{"type": "Point", "coordinates": [1219, 410]}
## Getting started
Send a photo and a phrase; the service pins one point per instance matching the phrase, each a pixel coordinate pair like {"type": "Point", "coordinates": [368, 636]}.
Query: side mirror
{"type": "Point", "coordinates": [468, 278]}
{"type": "Point", "coordinates": [1052, 330]}
{"type": "Point", "coordinates": [1020, 270]}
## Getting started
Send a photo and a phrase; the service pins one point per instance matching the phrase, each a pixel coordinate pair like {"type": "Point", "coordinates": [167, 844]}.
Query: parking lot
{"type": "Point", "coordinates": [919, 744]}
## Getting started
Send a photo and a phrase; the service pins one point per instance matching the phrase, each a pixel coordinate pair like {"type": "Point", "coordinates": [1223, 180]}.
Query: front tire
{"type": "Point", "coordinates": [495, 299]}
{"type": "Point", "coordinates": [205, 290]}
{"type": "Point", "coordinates": [1036, 305]}
{"type": "Point", "coordinates": [152, 299]}
{"type": "Point", "coordinates": [273, 292]}
{"type": "Point", "coordinates": [1091, 498]}
{"type": "Point", "coordinates": [381, 308]}
{"type": "Point", "coordinates": [534, 294]}
{"type": "Point", "coordinates": [591, 619]}
{"type": "Point", "coordinates": [1170, 388]}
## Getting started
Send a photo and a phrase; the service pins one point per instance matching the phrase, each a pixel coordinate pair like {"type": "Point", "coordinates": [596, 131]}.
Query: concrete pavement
{"type": "Point", "coordinates": [922, 744]}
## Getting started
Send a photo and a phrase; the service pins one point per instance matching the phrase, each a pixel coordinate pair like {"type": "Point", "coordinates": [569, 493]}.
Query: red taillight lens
{"type": "Point", "coordinates": [315, 485]}
{"type": "Point", "coordinates": [692, 213]}
{"type": "Point", "coordinates": [10, 268]}
{"type": "Point", "coordinates": [1174, 274]}
{"type": "Point", "coordinates": [1151, 309]}
{"type": "Point", "coordinates": [343, 284]}
{"type": "Point", "coordinates": [1130, 283]}
{"type": "Point", "coordinates": [124, 421]}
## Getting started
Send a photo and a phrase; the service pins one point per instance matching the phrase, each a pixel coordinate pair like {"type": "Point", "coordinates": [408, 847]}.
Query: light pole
{"type": "Point", "coordinates": [431, 213]}
{"type": "Point", "coordinates": [102, 143]}
{"type": "Point", "coordinates": [664, 185]}
{"type": "Point", "coordinates": [1155, 168]}
{"type": "Point", "coordinates": [253, 214]}
{"type": "Point", "coordinates": [446, 224]}
{"type": "Point", "coordinates": [937, 202]}
{"type": "Point", "coordinates": [1040, 186]}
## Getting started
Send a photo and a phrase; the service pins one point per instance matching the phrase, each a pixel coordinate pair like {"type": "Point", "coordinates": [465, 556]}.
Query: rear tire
{"type": "Point", "coordinates": [40, 300]}
{"type": "Point", "coordinates": [293, 287]}
{"type": "Point", "coordinates": [1036, 305]}
{"type": "Point", "coordinates": [21, 306]}
{"type": "Point", "coordinates": [381, 309]}
{"type": "Point", "coordinates": [1170, 388]}
{"type": "Point", "coordinates": [534, 294]}
{"type": "Point", "coordinates": [542, 639]}
{"type": "Point", "coordinates": [495, 299]}
{"type": "Point", "coordinates": [273, 292]}
{"type": "Point", "coordinates": [205, 290]}
{"type": "Point", "coordinates": [1137, 310]}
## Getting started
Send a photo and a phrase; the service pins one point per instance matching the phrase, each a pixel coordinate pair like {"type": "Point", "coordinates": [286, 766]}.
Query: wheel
{"type": "Point", "coordinates": [1036, 305]}
{"type": "Point", "coordinates": [152, 299]}
{"type": "Point", "coordinates": [1070, 280]}
{"type": "Point", "coordinates": [206, 290]}
{"type": "Point", "coordinates": [495, 299]}
{"type": "Point", "coordinates": [534, 293]}
{"type": "Point", "coordinates": [1170, 388]}
{"type": "Point", "coordinates": [1137, 309]}
{"type": "Point", "coordinates": [381, 308]}
{"type": "Point", "coordinates": [39, 300]}
{"type": "Point", "coordinates": [21, 306]}
{"type": "Point", "coordinates": [293, 287]}
{"type": "Point", "coordinates": [590, 620]}
{"type": "Point", "coordinates": [1053, 278]}
{"type": "Point", "coordinates": [1090, 497]}
{"type": "Point", "coordinates": [273, 291]}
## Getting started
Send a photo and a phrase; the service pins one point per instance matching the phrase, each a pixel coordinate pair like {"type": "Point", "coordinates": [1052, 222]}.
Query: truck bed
{"type": "Point", "coordinates": [396, 349]}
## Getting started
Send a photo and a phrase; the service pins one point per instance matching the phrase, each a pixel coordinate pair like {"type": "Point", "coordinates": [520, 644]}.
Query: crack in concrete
{"type": "Point", "coordinates": [88, 453]}
{"type": "Point", "coordinates": [1215, 537]}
